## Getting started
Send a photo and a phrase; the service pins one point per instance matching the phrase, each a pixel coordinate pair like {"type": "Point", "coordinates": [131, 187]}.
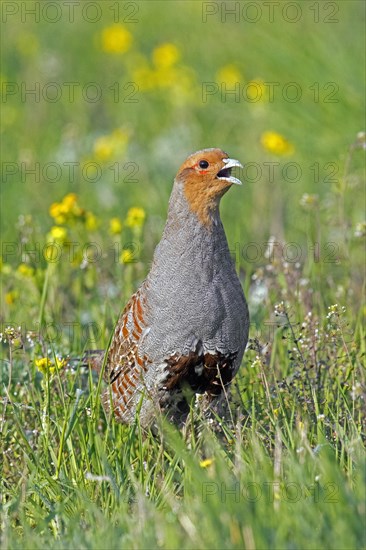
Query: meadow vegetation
{"type": "Point", "coordinates": [88, 160]}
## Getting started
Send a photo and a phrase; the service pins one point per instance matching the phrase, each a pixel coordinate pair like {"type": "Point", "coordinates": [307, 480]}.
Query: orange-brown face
{"type": "Point", "coordinates": [206, 176]}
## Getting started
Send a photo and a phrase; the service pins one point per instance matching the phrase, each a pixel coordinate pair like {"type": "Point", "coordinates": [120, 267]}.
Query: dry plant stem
{"type": "Point", "coordinates": [7, 399]}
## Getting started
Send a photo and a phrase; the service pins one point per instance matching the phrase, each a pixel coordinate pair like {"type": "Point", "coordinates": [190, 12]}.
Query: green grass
{"type": "Point", "coordinates": [288, 473]}
{"type": "Point", "coordinates": [285, 468]}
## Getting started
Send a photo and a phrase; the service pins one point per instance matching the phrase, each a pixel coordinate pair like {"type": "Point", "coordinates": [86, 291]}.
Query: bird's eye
{"type": "Point", "coordinates": [203, 164]}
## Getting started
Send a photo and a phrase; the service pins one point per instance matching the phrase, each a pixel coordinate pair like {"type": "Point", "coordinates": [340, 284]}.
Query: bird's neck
{"type": "Point", "coordinates": [189, 252]}
{"type": "Point", "coordinates": [185, 236]}
{"type": "Point", "coordinates": [202, 215]}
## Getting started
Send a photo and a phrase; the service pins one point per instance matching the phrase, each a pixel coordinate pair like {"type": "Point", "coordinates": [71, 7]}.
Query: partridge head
{"type": "Point", "coordinates": [206, 177]}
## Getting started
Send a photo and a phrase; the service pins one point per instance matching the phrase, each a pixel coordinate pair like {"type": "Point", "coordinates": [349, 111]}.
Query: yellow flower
{"type": "Point", "coordinates": [108, 146]}
{"type": "Point", "coordinates": [164, 78]}
{"type": "Point", "coordinates": [229, 75]}
{"type": "Point", "coordinates": [57, 234]}
{"type": "Point", "coordinates": [255, 90]}
{"type": "Point", "coordinates": [91, 221]}
{"type": "Point", "coordinates": [165, 55]}
{"type": "Point", "coordinates": [115, 226]}
{"type": "Point", "coordinates": [277, 144]}
{"type": "Point", "coordinates": [56, 214]}
{"type": "Point", "coordinates": [61, 363]}
{"type": "Point", "coordinates": [69, 201]}
{"type": "Point", "coordinates": [116, 39]}
{"type": "Point", "coordinates": [144, 78]}
{"type": "Point", "coordinates": [27, 44]}
{"type": "Point", "coordinates": [45, 365]}
{"type": "Point", "coordinates": [126, 257]}
{"type": "Point", "coordinates": [70, 205]}
{"type": "Point", "coordinates": [103, 148]}
{"type": "Point", "coordinates": [135, 217]}
{"type": "Point", "coordinates": [4, 268]}
{"type": "Point", "coordinates": [25, 270]}
{"type": "Point", "coordinates": [206, 463]}
{"type": "Point", "coordinates": [67, 209]}
{"type": "Point", "coordinates": [301, 425]}
{"type": "Point", "coordinates": [11, 297]}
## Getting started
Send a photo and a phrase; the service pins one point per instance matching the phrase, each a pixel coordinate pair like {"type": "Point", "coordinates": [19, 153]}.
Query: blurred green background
{"type": "Point", "coordinates": [125, 90]}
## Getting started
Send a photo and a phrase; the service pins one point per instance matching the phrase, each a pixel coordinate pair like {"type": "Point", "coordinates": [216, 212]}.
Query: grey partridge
{"type": "Point", "coordinates": [186, 327]}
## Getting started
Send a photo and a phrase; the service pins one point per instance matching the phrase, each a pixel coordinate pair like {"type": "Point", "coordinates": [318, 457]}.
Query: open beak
{"type": "Point", "coordinates": [225, 173]}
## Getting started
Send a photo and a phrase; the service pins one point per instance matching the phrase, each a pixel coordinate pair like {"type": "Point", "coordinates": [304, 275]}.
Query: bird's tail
{"type": "Point", "coordinates": [92, 359]}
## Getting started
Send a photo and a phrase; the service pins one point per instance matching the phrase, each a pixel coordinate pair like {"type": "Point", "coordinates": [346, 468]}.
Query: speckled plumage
{"type": "Point", "coordinates": [187, 324]}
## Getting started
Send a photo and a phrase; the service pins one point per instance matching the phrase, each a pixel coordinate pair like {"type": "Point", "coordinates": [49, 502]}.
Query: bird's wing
{"type": "Point", "coordinates": [125, 366]}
